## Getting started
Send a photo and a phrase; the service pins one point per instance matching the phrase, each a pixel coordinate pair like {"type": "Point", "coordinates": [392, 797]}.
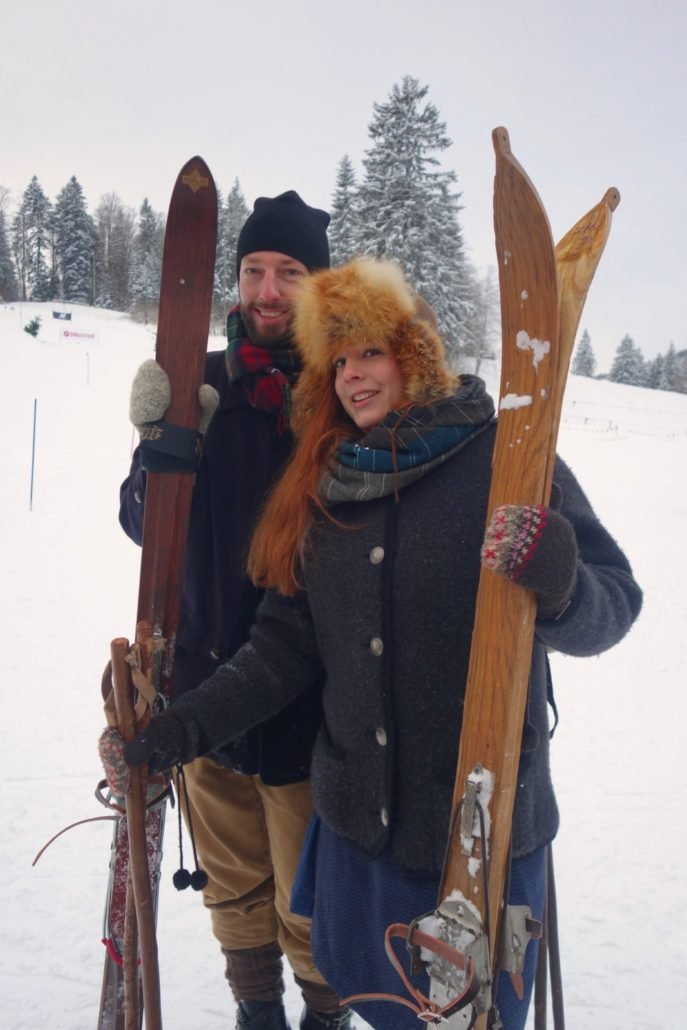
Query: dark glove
{"type": "Point", "coordinates": [536, 547]}
{"type": "Point", "coordinates": [170, 738]}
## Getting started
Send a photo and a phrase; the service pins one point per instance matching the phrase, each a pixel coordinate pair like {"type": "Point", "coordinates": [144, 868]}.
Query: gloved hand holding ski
{"type": "Point", "coordinates": [534, 546]}
{"type": "Point", "coordinates": [151, 393]}
{"type": "Point", "coordinates": [171, 738]}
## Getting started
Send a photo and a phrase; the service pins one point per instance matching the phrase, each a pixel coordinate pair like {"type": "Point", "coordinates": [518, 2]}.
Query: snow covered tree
{"type": "Point", "coordinates": [408, 208]}
{"type": "Point", "coordinates": [115, 236]}
{"type": "Point", "coordinates": [32, 244]}
{"type": "Point", "coordinates": [9, 289]}
{"type": "Point", "coordinates": [628, 364]}
{"type": "Point", "coordinates": [147, 267]}
{"type": "Point", "coordinates": [344, 225]}
{"type": "Point", "coordinates": [681, 371]}
{"type": "Point", "coordinates": [654, 372]}
{"type": "Point", "coordinates": [74, 244]}
{"type": "Point", "coordinates": [584, 362]}
{"type": "Point", "coordinates": [481, 332]}
{"type": "Point", "coordinates": [231, 216]}
{"type": "Point", "coordinates": [669, 377]}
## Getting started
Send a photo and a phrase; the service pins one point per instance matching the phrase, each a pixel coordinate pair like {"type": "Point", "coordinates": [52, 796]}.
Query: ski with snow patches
{"type": "Point", "coordinates": [543, 290]}
{"type": "Point", "coordinates": [139, 676]}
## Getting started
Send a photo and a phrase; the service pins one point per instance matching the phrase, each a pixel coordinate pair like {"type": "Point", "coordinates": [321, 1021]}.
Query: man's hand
{"type": "Point", "coordinates": [151, 394]}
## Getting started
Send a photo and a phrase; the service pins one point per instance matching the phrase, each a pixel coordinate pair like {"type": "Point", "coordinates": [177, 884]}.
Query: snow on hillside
{"type": "Point", "coordinates": [69, 585]}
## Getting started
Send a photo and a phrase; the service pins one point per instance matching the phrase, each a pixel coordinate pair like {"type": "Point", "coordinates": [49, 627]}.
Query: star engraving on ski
{"type": "Point", "coordinates": [195, 180]}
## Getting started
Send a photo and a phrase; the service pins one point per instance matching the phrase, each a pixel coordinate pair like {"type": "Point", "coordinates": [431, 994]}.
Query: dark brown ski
{"type": "Point", "coordinates": [131, 977]}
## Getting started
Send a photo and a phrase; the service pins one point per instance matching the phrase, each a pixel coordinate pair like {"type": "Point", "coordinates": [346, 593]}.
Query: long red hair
{"type": "Point", "coordinates": [277, 546]}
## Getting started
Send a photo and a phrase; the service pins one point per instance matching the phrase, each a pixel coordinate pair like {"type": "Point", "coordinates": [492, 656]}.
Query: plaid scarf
{"type": "Point", "coordinates": [265, 373]}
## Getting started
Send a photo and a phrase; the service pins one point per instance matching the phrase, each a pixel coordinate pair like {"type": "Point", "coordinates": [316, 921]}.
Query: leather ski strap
{"type": "Point", "coordinates": [425, 1009]}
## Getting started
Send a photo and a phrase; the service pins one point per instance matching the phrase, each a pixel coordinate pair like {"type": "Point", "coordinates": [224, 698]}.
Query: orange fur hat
{"type": "Point", "coordinates": [367, 302]}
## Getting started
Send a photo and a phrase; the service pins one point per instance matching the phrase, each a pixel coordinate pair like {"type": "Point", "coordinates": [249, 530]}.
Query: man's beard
{"type": "Point", "coordinates": [278, 337]}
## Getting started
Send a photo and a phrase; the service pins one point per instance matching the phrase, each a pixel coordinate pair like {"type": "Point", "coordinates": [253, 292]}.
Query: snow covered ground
{"type": "Point", "coordinates": [69, 586]}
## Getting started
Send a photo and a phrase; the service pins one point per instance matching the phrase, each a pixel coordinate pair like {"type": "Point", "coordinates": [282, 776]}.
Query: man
{"type": "Point", "coordinates": [250, 804]}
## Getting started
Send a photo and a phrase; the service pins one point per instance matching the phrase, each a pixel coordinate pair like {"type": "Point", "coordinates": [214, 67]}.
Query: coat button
{"type": "Point", "coordinates": [214, 653]}
{"type": "Point", "coordinates": [377, 555]}
{"type": "Point", "coordinates": [384, 816]}
{"type": "Point", "coordinates": [138, 497]}
{"type": "Point", "coordinates": [376, 646]}
{"type": "Point", "coordinates": [380, 734]}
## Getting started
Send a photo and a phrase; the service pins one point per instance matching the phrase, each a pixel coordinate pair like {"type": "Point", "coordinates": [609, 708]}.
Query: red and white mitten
{"type": "Point", "coordinates": [536, 547]}
{"type": "Point", "coordinates": [111, 749]}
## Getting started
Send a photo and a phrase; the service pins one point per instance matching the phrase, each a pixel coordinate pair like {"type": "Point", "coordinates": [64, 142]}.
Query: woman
{"type": "Point", "coordinates": [370, 547]}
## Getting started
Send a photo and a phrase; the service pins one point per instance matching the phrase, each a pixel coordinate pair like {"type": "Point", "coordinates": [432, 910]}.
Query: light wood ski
{"type": "Point", "coordinates": [543, 290]}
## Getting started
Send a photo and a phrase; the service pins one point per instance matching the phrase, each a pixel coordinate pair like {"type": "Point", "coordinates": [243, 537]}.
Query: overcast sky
{"type": "Point", "coordinates": [593, 93]}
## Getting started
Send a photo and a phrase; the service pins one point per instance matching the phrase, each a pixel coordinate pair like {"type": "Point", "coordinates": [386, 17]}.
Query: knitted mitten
{"type": "Point", "coordinates": [151, 394]}
{"type": "Point", "coordinates": [111, 749]}
{"type": "Point", "coordinates": [536, 547]}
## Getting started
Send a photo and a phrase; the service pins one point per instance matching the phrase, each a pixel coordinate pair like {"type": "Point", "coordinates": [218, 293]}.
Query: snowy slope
{"type": "Point", "coordinates": [69, 586]}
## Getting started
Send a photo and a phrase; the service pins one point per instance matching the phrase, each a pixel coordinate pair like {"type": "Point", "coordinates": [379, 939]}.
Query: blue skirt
{"type": "Point", "coordinates": [351, 900]}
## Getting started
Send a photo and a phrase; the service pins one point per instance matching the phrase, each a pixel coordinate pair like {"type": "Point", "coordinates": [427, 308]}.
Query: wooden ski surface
{"type": "Point", "coordinates": [183, 324]}
{"type": "Point", "coordinates": [543, 290]}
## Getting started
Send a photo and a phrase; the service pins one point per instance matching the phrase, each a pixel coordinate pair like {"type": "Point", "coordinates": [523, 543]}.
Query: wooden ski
{"type": "Point", "coordinates": [543, 290]}
{"type": "Point", "coordinates": [181, 344]}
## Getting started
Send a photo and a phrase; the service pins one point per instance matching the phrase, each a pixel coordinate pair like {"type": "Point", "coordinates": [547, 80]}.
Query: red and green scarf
{"type": "Point", "coordinates": [265, 373]}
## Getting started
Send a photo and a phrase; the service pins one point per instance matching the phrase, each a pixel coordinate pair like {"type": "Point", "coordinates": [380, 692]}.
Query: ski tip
{"type": "Point", "coordinates": [501, 140]}
{"type": "Point", "coordinates": [196, 175]}
{"type": "Point", "coordinates": [612, 198]}
{"type": "Point", "coordinates": [196, 159]}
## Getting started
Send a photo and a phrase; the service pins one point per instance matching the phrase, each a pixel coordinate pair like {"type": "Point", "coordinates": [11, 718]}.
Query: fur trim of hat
{"type": "Point", "coordinates": [367, 302]}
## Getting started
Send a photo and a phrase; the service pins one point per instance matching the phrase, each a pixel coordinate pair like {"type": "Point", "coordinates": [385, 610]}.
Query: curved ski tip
{"type": "Point", "coordinates": [197, 160]}
{"type": "Point", "coordinates": [612, 197]}
{"type": "Point", "coordinates": [501, 140]}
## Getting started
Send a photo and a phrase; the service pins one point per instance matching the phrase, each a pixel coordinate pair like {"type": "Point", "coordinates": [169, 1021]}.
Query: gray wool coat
{"type": "Point", "coordinates": [387, 615]}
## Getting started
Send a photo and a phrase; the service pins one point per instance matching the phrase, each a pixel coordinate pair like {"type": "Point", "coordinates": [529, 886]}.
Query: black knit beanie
{"type": "Point", "coordinates": [288, 225]}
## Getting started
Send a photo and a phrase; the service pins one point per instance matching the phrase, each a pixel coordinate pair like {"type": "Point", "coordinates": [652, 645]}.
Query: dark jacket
{"type": "Point", "coordinates": [388, 613]}
{"type": "Point", "coordinates": [242, 454]}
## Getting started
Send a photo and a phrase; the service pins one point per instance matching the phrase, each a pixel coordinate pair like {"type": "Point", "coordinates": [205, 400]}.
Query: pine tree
{"type": "Point", "coordinates": [74, 244]}
{"type": "Point", "coordinates": [628, 364]}
{"type": "Point", "coordinates": [669, 377]}
{"type": "Point", "coordinates": [9, 289]}
{"type": "Point", "coordinates": [654, 372]}
{"type": "Point", "coordinates": [681, 371]}
{"type": "Point", "coordinates": [232, 214]}
{"type": "Point", "coordinates": [584, 362]}
{"type": "Point", "coordinates": [344, 225]}
{"type": "Point", "coordinates": [147, 268]}
{"type": "Point", "coordinates": [408, 208]}
{"type": "Point", "coordinates": [32, 244]}
{"type": "Point", "coordinates": [481, 332]}
{"type": "Point", "coordinates": [115, 236]}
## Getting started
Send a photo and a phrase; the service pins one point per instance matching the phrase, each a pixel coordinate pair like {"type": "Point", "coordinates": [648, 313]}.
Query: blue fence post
{"type": "Point", "coordinates": [33, 452]}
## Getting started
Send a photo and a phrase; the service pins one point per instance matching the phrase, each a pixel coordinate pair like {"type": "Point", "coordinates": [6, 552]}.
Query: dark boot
{"type": "Point", "coordinates": [340, 1020]}
{"type": "Point", "coordinates": [261, 1015]}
